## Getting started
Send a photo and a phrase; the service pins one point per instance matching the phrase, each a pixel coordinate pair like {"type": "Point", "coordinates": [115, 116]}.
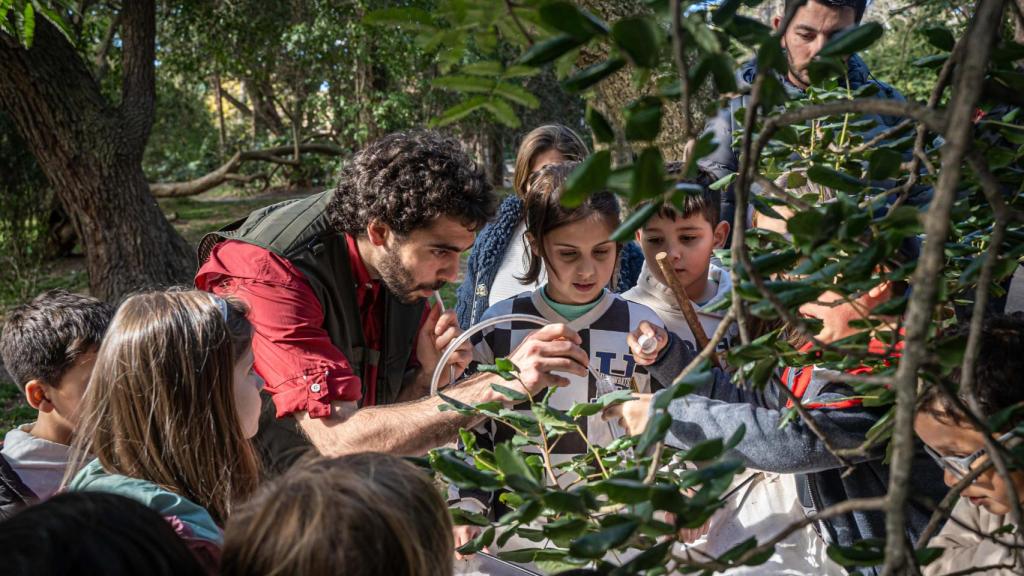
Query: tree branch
{"type": "Point", "coordinates": [227, 170]}
{"type": "Point", "coordinates": [238, 104]}
{"type": "Point", "coordinates": [681, 69]}
{"type": "Point", "coordinates": [512, 12]}
{"type": "Point", "coordinates": [968, 84]}
{"type": "Point", "coordinates": [845, 507]}
{"type": "Point", "coordinates": [138, 91]}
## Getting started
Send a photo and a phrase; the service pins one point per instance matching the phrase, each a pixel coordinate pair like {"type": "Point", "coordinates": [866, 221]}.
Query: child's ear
{"type": "Point", "coordinates": [721, 233]}
{"type": "Point", "coordinates": [639, 236]}
{"type": "Point", "coordinates": [37, 396]}
{"type": "Point", "coordinates": [532, 242]}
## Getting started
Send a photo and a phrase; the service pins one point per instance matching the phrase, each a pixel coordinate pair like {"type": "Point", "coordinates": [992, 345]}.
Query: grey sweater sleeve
{"type": "Point", "coordinates": [717, 409]}
{"type": "Point", "coordinates": [675, 357]}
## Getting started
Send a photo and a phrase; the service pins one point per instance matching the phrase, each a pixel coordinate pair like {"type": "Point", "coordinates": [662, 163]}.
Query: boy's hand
{"type": "Point", "coordinates": [647, 342]}
{"type": "Point", "coordinates": [463, 534]}
{"type": "Point", "coordinates": [632, 416]}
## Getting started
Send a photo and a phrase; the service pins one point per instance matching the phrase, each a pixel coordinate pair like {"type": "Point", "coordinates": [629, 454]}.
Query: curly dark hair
{"type": "Point", "coordinates": [996, 372]}
{"type": "Point", "coordinates": [408, 179]}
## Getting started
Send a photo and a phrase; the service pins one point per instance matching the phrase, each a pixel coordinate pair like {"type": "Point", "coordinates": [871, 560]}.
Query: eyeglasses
{"type": "Point", "coordinates": [960, 466]}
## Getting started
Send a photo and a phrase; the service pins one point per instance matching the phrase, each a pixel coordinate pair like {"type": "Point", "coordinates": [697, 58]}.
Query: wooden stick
{"type": "Point", "coordinates": [683, 301]}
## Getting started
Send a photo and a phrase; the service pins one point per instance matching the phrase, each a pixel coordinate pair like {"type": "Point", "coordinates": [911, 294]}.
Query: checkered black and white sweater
{"type": "Point", "coordinates": [603, 332]}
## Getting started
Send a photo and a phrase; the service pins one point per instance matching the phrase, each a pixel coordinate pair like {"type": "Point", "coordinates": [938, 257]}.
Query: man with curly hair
{"type": "Point", "coordinates": [337, 285]}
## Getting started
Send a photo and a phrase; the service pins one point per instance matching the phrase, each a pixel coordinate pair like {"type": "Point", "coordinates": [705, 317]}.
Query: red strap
{"type": "Point", "coordinates": [802, 380]}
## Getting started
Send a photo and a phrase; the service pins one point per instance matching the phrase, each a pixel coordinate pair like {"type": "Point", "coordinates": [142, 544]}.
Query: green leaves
{"type": "Point", "coordinates": [411, 17]}
{"type": "Point", "coordinates": [597, 544]}
{"type": "Point", "coordinates": [648, 175]}
{"type": "Point", "coordinates": [834, 179]}
{"type": "Point", "coordinates": [496, 369]}
{"type": "Point", "coordinates": [461, 474]}
{"type": "Point", "coordinates": [517, 472]}
{"type": "Point", "coordinates": [603, 402]}
{"type": "Point", "coordinates": [599, 125]}
{"type": "Point", "coordinates": [548, 50]}
{"type": "Point", "coordinates": [593, 74]}
{"type": "Point", "coordinates": [883, 163]}
{"type": "Point", "coordinates": [643, 119]}
{"type": "Point", "coordinates": [625, 231]}
{"type": "Point", "coordinates": [496, 101]}
{"type": "Point", "coordinates": [852, 40]}
{"type": "Point", "coordinates": [514, 395]}
{"type": "Point", "coordinates": [719, 67]}
{"type": "Point", "coordinates": [28, 25]}
{"type": "Point", "coordinates": [482, 540]}
{"type": "Point", "coordinates": [657, 426]}
{"type": "Point", "coordinates": [638, 38]}
{"type": "Point", "coordinates": [566, 17]}
{"type": "Point", "coordinates": [940, 37]}
{"type": "Point", "coordinates": [864, 553]}
{"type": "Point", "coordinates": [589, 177]}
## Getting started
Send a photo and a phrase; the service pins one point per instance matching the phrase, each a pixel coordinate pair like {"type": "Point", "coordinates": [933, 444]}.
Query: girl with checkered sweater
{"type": "Point", "coordinates": [573, 245]}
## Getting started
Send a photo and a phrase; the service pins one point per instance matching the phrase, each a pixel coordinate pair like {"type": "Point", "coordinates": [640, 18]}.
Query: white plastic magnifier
{"type": "Point", "coordinates": [602, 380]}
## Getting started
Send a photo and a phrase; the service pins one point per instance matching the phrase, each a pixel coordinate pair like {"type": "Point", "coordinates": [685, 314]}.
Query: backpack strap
{"type": "Point", "coordinates": [13, 492]}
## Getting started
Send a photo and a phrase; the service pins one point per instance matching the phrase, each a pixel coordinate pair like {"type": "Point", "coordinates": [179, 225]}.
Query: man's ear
{"type": "Point", "coordinates": [37, 396]}
{"type": "Point", "coordinates": [378, 232]}
{"type": "Point", "coordinates": [776, 22]}
{"type": "Point", "coordinates": [721, 233]}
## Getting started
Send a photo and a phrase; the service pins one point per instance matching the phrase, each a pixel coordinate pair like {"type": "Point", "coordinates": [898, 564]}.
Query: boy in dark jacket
{"type": "Point", "coordinates": [49, 347]}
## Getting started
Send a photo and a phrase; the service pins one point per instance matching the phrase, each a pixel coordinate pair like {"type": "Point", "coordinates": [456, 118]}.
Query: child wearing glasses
{"type": "Point", "coordinates": [968, 538]}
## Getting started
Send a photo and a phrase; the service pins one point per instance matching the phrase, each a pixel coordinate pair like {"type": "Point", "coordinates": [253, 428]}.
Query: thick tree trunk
{"type": "Point", "coordinates": [91, 152]}
{"type": "Point", "coordinates": [615, 92]}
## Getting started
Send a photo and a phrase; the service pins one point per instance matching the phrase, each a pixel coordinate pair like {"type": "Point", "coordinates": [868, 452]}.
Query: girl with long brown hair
{"type": "Point", "coordinates": [499, 257]}
{"type": "Point", "coordinates": [169, 411]}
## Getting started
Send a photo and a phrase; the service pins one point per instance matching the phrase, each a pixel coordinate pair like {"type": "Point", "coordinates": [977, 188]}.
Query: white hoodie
{"type": "Point", "coordinates": [659, 297]}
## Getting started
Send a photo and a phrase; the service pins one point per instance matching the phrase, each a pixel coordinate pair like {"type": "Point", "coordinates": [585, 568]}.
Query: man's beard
{"type": "Point", "coordinates": [802, 75]}
{"type": "Point", "coordinates": [399, 281]}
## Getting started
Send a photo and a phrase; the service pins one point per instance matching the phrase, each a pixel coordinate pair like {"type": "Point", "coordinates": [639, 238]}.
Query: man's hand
{"type": "Point", "coordinates": [437, 332]}
{"type": "Point", "coordinates": [647, 353]}
{"type": "Point", "coordinates": [553, 347]}
{"type": "Point", "coordinates": [631, 415]}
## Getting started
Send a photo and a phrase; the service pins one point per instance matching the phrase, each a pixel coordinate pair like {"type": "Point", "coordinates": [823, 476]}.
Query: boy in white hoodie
{"type": "Point", "coordinates": [689, 238]}
{"type": "Point", "coordinates": [757, 499]}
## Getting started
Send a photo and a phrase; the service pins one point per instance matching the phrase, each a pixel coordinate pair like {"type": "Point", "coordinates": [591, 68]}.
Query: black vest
{"type": "Point", "coordinates": [300, 231]}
